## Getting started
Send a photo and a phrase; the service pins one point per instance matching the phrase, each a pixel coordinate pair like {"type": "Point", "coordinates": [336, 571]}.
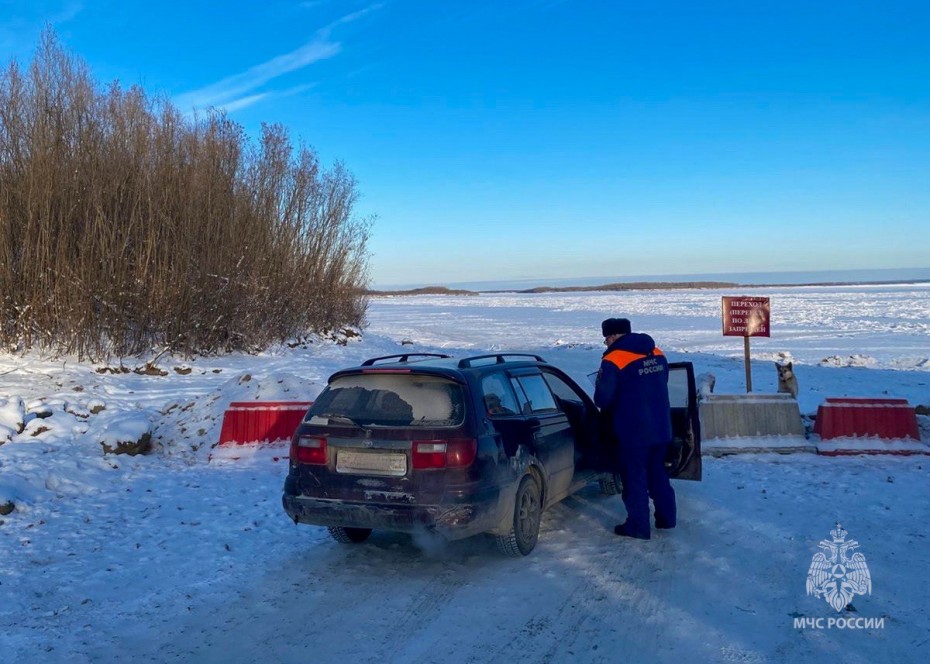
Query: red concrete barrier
{"type": "Point", "coordinates": [251, 422]}
{"type": "Point", "coordinates": [885, 426]}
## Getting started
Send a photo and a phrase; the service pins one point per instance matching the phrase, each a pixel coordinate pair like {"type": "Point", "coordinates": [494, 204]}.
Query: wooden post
{"type": "Point", "coordinates": [748, 368]}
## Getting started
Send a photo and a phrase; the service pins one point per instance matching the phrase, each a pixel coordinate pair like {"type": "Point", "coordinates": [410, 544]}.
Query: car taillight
{"type": "Point", "coordinates": [452, 453]}
{"type": "Point", "coordinates": [429, 454]}
{"type": "Point", "coordinates": [309, 449]}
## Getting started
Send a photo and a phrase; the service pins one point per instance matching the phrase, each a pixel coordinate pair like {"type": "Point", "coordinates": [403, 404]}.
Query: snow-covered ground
{"type": "Point", "coordinates": [167, 557]}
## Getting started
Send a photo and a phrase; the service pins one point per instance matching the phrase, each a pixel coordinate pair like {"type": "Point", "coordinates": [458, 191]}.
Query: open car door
{"type": "Point", "coordinates": [684, 454]}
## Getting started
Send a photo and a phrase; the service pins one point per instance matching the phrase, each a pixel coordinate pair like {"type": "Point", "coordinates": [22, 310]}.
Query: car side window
{"type": "Point", "coordinates": [498, 395]}
{"type": "Point", "coordinates": [538, 396]}
{"type": "Point", "coordinates": [678, 388]}
{"type": "Point", "coordinates": [561, 389]}
{"type": "Point", "coordinates": [521, 397]}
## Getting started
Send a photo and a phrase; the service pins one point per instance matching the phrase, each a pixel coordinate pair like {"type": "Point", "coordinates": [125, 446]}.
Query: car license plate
{"type": "Point", "coordinates": [371, 463]}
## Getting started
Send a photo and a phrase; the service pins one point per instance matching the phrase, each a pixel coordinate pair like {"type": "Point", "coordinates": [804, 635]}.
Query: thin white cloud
{"type": "Point", "coordinates": [297, 89]}
{"type": "Point", "coordinates": [239, 90]}
{"type": "Point", "coordinates": [354, 16]}
{"type": "Point", "coordinates": [241, 103]}
{"type": "Point", "coordinates": [233, 89]}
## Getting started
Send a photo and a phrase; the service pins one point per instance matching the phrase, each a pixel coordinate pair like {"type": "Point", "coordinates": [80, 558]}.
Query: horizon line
{"type": "Point", "coordinates": [680, 277]}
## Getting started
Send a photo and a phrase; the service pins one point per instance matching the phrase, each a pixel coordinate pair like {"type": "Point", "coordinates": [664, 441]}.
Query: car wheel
{"type": "Point", "coordinates": [349, 535]}
{"type": "Point", "coordinates": [527, 514]}
{"type": "Point", "coordinates": [610, 485]}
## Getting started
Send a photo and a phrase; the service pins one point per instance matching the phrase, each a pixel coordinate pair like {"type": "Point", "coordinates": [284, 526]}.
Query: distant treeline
{"type": "Point", "coordinates": [426, 290]}
{"type": "Point", "coordinates": [633, 285]}
{"type": "Point", "coordinates": [127, 225]}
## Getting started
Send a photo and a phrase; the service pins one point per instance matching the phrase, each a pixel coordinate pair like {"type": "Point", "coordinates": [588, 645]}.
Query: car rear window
{"type": "Point", "coordinates": [390, 400]}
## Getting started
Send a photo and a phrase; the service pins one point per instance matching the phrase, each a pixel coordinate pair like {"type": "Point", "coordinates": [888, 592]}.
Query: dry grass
{"type": "Point", "coordinates": [125, 225]}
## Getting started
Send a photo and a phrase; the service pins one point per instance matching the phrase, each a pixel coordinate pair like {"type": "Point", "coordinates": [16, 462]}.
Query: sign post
{"type": "Point", "coordinates": [746, 362]}
{"type": "Point", "coordinates": [746, 317]}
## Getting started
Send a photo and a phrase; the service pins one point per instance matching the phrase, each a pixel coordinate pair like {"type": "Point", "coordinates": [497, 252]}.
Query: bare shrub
{"type": "Point", "coordinates": [125, 225]}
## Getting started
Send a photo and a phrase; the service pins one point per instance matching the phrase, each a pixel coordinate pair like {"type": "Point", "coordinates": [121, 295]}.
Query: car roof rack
{"type": "Point", "coordinates": [498, 357]}
{"type": "Point", "coordinates": [404, 357]}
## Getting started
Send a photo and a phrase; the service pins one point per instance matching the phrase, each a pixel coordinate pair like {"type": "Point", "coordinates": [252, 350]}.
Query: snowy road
{"type": "Point", "coordinates": [206, 568]}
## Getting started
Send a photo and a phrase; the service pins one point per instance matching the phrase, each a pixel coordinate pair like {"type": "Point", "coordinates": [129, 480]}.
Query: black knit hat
{"type": "Point", "coordinates": [615, 326]}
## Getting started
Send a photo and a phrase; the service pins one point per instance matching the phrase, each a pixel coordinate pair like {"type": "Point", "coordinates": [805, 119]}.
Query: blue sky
{"type": "Point", "coordinates": [546, 139]}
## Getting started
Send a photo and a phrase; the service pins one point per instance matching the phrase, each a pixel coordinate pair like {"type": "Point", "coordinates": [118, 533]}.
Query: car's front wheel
{"type": "Point", "coordinates": [527, 515]}
{"type": "Point", "coordinates": [347, 535]}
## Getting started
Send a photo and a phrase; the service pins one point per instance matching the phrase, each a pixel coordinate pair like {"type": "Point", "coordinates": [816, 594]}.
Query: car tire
{"type": "Point", "coordinates": [347, 535]}
{"type": "Point", "coordinates": [610, 485]}
{"type": "Point", "coordinates": [527, 515]}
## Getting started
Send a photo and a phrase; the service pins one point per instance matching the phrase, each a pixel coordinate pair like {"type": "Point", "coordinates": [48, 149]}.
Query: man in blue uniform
{"type": "Point", "coordinates": [632, 392]}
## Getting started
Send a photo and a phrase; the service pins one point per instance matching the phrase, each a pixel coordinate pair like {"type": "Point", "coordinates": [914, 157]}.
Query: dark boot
{"type": "Point", "coordinates": [624, 530]}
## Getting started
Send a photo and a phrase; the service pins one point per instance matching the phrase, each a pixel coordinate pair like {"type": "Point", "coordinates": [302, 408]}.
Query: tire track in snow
{"type": "Point", "coordinates": [422, 611]}
{"type": "Point", "coordinates": [552, 633]}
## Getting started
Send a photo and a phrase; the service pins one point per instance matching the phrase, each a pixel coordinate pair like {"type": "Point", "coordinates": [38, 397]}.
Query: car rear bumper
{"type": "Point", "coordinates": [453, 520]}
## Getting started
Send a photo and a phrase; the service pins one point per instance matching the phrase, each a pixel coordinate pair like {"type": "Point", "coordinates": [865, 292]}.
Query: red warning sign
{"type": "Point", "coordinates": [746, 316]}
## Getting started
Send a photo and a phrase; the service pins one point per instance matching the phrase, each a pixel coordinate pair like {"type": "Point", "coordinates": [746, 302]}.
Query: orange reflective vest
{"type": "Point", "coordinates": [622, 358]}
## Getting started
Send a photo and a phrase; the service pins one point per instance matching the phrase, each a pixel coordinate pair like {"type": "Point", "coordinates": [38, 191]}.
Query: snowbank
{"type": "Point", "coordinates": [191, 429]}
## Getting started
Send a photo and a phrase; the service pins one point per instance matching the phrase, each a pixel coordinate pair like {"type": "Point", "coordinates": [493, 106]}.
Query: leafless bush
{"type": "Point", "coordinates": [125, 225]}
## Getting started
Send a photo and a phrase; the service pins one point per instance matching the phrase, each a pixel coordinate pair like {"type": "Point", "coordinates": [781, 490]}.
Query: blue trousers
{"type": "Point", "coordinates": [642, 472]}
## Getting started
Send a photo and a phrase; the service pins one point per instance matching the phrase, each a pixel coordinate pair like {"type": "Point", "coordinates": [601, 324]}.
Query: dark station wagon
{"type": "Point", "coordinates": [457, 447]}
